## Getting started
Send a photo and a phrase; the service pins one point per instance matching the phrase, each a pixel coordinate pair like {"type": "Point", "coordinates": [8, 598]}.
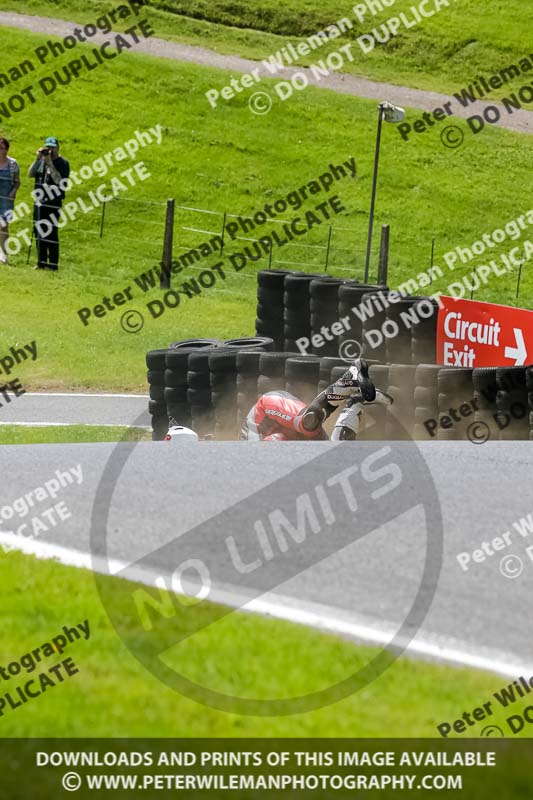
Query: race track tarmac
{"type": "Point", "coordinates": [367, 533]}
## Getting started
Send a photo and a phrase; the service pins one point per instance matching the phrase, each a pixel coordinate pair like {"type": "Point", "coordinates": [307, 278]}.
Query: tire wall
{"type": "Point", "coordinates": [213, 390]}
{"type": "Point", "coordinates": [210, 385]}
{"type": "Point", "coordinates": [384, 325]}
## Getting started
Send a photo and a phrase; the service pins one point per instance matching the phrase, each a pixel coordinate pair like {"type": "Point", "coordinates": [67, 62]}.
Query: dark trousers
{"type": "Point", "coordinates": [46, 237]}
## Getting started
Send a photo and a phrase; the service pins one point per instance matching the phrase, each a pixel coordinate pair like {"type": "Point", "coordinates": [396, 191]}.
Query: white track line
{"type": "Point", "coordinates": [311, 615]}
{"type": "Point", "coordinates": [73, 424]}
{"type": "Point", "coordinates": [82, 394]}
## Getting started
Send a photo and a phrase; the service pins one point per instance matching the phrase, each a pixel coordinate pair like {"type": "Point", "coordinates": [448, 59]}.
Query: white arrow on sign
{"type": "Point", "coordinates": [519, 352]}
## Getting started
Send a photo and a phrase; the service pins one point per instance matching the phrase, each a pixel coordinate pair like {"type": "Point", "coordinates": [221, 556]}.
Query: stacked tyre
{"type": "Point", "coordinates": [302, 376]}
{"type": "Point", "coordinates": [411, 331]}
{"type": "Point", "coordinates": [187, 393]}
{"type": "Point", "coordinates": [374, 418]}
{"type": "Point", "coordinates": [426, 401]}
{"type": "Point", "coordinates": [271, 372]}
{"type": "Point", "coordinates": [296, 309]}
{"type": "Point", "coordinates": [247, 365]}
{"type": "Point", "coordinates": [529, 385]}
{"type": "Point", "coordinates": [424, 331]}
{"type": "Point", "coordinates": [223, 379]}
{"type": "Point", "coordinates": [400, 416]}
{"type": "Point", "coordinates": [199, 393]}
{"type": "Point", "coordinates": [350, 297]}
{"type": "Point", "coordinates": [484, 397]}
{"type": "Point", "coordinates": [373, 309]}
{"type": "Point", "coordinates": [211, 399]}
{"type": "Point", "coordinates": [157, 408]}
{"type": "Point", "coordinates": [194, 344]}
{"type": "Point", "coordinates": [324, 310]}
{"type": "Point", "coordinates": [512, 406]}
{"type": "Point", "coordinates": [258, 343]}
{"type": "Point", "coordinates": [176, 385]}
{"type": "Point", "coordinates": [455, 389]}
{"type": "Point", "coordinates": [398, 330]}
{"type": "Point", "coordinates": [223, 384]}
{"type": "Point", "coordinates": [270, 290]}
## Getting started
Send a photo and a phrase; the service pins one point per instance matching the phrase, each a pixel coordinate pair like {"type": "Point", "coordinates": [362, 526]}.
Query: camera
{"type": "Point", "coordinates": [45, 151]}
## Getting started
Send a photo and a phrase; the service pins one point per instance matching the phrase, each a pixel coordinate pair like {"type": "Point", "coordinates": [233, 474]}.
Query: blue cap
{"type": "Point", "coordinates": [51, 141]}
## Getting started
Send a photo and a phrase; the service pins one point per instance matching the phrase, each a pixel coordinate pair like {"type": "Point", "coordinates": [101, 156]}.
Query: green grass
{"type": "Point", "coordinates": [113, 695]}
{"type": "Point", "coordinates": [443, 53]}
{"type": "Point", "coordinates": [14, 434]}
{"type": "Point", "coordinates": [230, 160]}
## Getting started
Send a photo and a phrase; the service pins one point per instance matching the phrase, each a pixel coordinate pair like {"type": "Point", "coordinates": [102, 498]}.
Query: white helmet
{"type": "Point", "coordinates": [178, 430]}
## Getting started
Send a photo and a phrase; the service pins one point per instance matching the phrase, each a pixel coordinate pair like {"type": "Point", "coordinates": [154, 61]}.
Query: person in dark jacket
{"type": "Point", "coordinates": [50, 172]}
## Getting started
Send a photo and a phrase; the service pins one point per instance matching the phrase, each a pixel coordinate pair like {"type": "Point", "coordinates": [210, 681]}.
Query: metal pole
{"type": "Point", "coordinates": [374, 188]}
{"type": "Point", "coordinates": [270, 256]}
{"type": "Point", "coordinates": [327, 250]}
{"type": "Point", "coordinates": [102, 219]}
{"type": "Point", "coordinates": [166, 262]}
{"type": "Point", "coordinates": [223, 232]}
{"type": "Point", "coordinates": [519, 278]}
{"type": "Point", "coordinates": [472, 287]}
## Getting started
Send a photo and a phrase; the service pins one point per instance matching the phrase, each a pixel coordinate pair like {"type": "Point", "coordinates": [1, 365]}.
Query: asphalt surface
{"type": "Point", "coordinates": [75, 409]}
{"type": "Point", "coordinates": [364, 517]}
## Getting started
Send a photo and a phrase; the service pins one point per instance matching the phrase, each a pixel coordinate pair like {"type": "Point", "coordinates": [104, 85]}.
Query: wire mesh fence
{"type": "Point", "coordinates": [122, 235]}
{"type": "Point", "coordinates": [502, 270]}
{"type": "Point", "coordinates": [128, 234]}
{"type": "Point", "coordinates": [327, 248]}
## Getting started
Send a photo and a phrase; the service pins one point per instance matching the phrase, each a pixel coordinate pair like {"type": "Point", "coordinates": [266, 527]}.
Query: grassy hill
{"type": "Point", "coordinates": [445, 52]}
{"type": "Point", "coordinates": [231, 161]}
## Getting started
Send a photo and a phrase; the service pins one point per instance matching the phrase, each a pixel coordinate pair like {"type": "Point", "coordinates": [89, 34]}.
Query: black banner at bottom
{"type": "Point", "coordinates": [266, 768]}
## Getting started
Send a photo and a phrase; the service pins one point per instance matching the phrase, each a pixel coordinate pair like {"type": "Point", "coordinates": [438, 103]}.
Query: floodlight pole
{"type": "Point", "coordinates": [374, 188]}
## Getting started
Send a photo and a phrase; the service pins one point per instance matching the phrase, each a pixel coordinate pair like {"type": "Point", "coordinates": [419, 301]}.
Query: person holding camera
{"type": "Point", "coordinates": [49, 170]}
{"type": "Point", "coordinates": [9, 184]}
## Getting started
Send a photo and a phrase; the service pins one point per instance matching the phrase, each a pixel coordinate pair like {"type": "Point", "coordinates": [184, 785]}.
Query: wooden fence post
{"type": "Point", "coordinates": [383, 269]}
{"type": "Point", "coordinates": [166, 262]}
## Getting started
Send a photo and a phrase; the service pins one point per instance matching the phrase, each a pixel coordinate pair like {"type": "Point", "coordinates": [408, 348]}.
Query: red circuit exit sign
{"type": "Point", "coordinates": [473, 334]}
